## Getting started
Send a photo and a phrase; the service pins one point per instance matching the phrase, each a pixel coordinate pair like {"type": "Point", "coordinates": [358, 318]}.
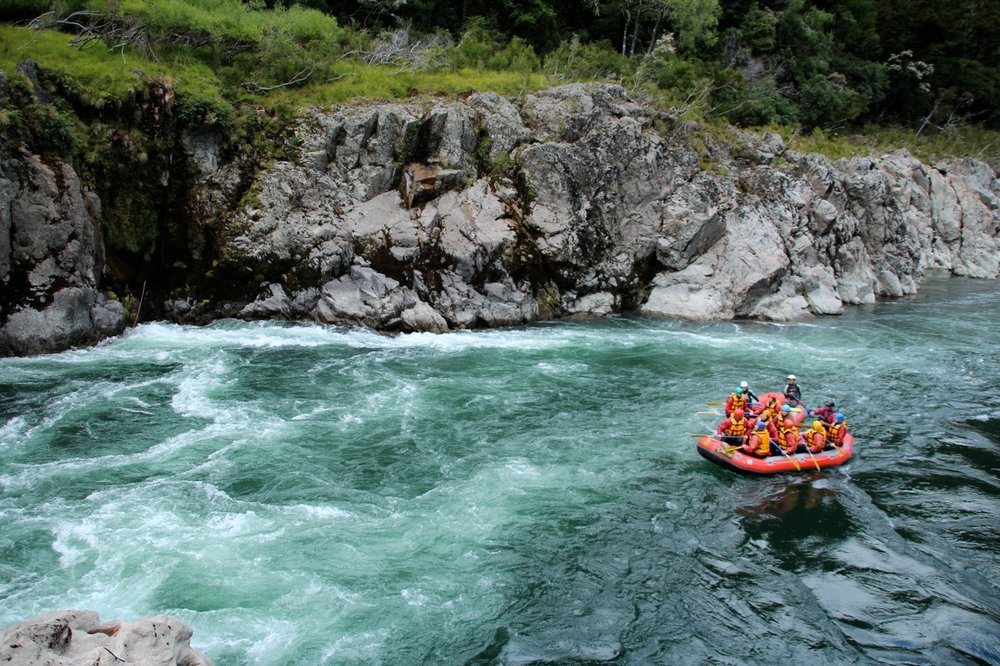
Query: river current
{"type": "Point", "coordinates": [317, 495]}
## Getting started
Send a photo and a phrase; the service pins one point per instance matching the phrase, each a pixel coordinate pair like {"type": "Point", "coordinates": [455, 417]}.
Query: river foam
{"type": "Point", "coordinates": [306, 494]}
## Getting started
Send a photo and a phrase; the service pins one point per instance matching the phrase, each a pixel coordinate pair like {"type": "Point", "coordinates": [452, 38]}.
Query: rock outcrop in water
{"type": "Point", "coordinates": [75, 638]}
{"type": "Point", "coordinates": [51, 259]}
{"type": "Point", "coordinates": [449, 214]}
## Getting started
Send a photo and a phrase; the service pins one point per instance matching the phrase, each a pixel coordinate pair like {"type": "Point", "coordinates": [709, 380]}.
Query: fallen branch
{"type": "Point", "coordinates": [255, 88]}
{"type": "Point", "coordinates": [138, 309]}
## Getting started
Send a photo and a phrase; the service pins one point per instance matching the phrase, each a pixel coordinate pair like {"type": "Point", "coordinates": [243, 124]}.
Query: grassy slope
{"type": "Point", "coordinates": [209, 90]}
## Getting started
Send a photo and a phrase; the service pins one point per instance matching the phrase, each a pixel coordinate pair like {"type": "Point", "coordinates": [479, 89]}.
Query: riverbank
{"type": "Point", "coordinates": [444, 214]}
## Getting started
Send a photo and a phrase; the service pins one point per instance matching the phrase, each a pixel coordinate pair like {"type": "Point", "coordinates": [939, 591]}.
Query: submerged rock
{"type": "Point", "coordinates": [77, 637]}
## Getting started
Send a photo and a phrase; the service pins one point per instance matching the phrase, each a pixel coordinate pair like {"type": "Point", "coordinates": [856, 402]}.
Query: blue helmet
{"type": "Point", "coordinates": [738, 391]}
{"type": "Point", "coordinates": [786, 408]}
{"type": "Point", "coordinates": [838, 417]}
{"type": "Point", "coordinates": [761, 425]}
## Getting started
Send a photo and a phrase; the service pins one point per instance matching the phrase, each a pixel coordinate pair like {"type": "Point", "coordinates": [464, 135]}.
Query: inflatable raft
{"type": "Point", "coordinates": [720, 453]}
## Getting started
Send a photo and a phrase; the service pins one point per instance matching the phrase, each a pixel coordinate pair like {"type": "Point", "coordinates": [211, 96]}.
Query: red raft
{"type": "Point", "coordinates": [717, 451]}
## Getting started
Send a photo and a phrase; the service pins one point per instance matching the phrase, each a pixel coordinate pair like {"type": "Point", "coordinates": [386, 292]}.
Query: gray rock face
{"type": "Point", "coordinates": [78, 638]}
{"type": "Point", "coordinates": [585, 209]}
{"type": "Point", "coordinates": [577, 202]}
{"type": "Point", "coordinates": [51, 259]}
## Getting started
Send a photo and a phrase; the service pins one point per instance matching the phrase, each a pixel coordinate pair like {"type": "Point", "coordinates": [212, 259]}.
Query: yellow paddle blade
{"type": "Point", "coordinates": [712, 412]}
{"type": "Point", "coordinates": [715, 404]}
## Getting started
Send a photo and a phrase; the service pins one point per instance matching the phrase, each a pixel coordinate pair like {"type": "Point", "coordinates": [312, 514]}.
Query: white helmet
{"type": "Point", "coordinates": [744, 385]}
{"type": "Point", "coordinates": [791, 376]}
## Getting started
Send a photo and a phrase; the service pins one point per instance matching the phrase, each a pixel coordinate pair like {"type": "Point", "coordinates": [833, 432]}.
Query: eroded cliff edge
{"type": "Point", "coordinates": [447, 214]}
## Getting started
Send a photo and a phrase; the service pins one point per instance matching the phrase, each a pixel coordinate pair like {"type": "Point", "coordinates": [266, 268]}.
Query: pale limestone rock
{"type": "Point", "coordinates": [78, 638]}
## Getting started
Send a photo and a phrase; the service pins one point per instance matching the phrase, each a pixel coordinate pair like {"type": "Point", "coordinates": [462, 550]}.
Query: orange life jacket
{"type": "Point", "coordinates": [789, 439]}
{"type": "Point", "coordinates": [772, 409]}
{"type": "Point", "coordinates": [736, 428]}
{"type": "Point", "coordinates": [815, 439]}
{"type": "Point", "coordinates": [837, 432]}
{"type": "Point", "coordinates": [736, 402]}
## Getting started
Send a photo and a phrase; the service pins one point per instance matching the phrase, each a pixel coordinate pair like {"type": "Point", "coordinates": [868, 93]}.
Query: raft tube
{"type": "Point", "coordinates": [713, 449]}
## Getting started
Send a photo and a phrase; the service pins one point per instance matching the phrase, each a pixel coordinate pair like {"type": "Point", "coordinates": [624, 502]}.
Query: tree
{"type": "Point", "coordinates": [693, 21]}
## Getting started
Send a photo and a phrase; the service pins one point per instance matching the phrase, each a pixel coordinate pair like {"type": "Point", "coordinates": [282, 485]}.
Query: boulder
{"type": "Point", "coordinates": [79, 638]}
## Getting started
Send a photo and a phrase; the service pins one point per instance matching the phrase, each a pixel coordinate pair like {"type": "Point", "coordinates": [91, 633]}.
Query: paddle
{"type": "Point", "coordinates": [828, 440]}
{"type": "Point", "coordinates": [794, 461]}
{"type": "Point", "coordinates": [728, 451]}
{"type": "Point", "coordinates": [815, 462]}
{"type": "Point", "coordinates": [712, 412]}
{"type": "Point", "coordinates": [715, 404]}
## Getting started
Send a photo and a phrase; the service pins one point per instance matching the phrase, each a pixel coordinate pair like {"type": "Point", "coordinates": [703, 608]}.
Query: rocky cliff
{"type": "Point", "coordinates": [441, 215]}
{"type": "Point", "coordinates": [51, 259]}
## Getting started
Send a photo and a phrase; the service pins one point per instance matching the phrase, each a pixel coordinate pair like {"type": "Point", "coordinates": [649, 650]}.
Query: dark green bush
{"type": "Point", "coordinates": [595, 61]}
{"type": "Point", "coordinates": [827, 101]}
{"type": "Point", "coordinates": [477, 47]}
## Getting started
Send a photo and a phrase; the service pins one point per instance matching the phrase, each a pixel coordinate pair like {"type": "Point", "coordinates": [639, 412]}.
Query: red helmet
{"type": "Point", "coordinates": [738, 414]}
{"type": "Point", "coordinates": [789, 423]}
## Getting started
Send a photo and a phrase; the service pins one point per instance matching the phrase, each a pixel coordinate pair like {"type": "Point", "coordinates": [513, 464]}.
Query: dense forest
{"type": "Point", "coordinates": [827, 65]}
{"type": "Point", "coordinates": [816, 62]}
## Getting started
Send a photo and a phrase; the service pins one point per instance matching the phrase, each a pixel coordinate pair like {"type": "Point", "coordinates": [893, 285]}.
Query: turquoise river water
{"type": "Point", "coordinates": [315, 495]}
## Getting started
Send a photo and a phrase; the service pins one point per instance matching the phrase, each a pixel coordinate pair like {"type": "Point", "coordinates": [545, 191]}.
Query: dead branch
{"type": "Point", "coordinates": [255, 88]}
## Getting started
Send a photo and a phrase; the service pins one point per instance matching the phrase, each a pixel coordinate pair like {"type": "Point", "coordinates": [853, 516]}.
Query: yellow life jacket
{"type": "Point", "coordinates": [738, 402]}
{"type": "Point", "coordinates": [764, 447]}
{"type": "Point", "coordinates": [737, 428]}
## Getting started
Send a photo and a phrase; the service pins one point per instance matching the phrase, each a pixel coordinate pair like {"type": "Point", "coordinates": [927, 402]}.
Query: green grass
{"type": "Point", "coordinates": [209, 80]}
{"type": "Point", "coordinates": [929, 146]}
{"type": "Point", "coordinates": [363, 82]}
{"type": "Point", "coordinates": [102, 75]}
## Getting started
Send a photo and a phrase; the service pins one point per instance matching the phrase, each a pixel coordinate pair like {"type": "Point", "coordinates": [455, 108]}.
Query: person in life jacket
{"type": "Point", "coordinates": [788, 437]}
{"type": "Point", "coordinates": [793, 394]}
{"type": "Point", "coordinates": [736, 400]}
{"type": "Point", "coordinates": [815, 437]}
{"type": "Point", "coordinates": [771, 409]}
{"type": "Point", "coordinates": [734, 429]}
{"type": "Point", "coordinates": [837, 430]}
{"type": "Point", "coordinates": [751, 396]}
{"type": "Point", "coordinates": [758, 444]}
{"type": "Point", "coordinates": [826, 412]}
{"type": "Point", "coordinates": [772, 416]}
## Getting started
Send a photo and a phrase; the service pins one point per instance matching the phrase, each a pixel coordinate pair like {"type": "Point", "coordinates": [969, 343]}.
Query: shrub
{"type": "Point", "coordinates": [829, 101]}
{"type": "Point", "coordinates": [596, 61]}
{"type": "Point", "coordinates": [477, 47]}
{"type": "Point", "coordinates": [517, 56]}
{"type": "Point", "coordinates": [753, 103]}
